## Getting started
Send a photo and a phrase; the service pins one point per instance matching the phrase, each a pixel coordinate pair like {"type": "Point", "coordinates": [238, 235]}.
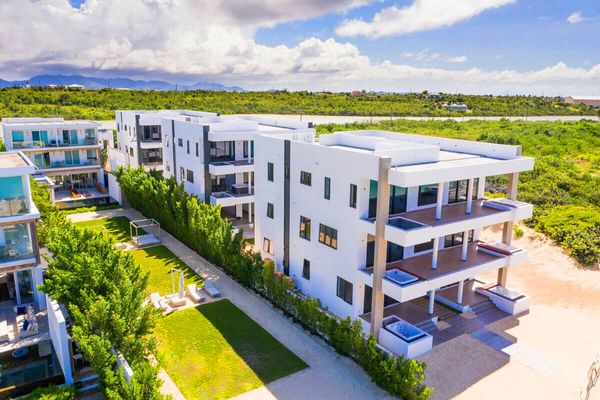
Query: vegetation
{"type": "Point", "coordinates": [157, 263]}
{"type": "Point", "coordinates": [201, 227]}
{"type": "Point", "coordinates": [116, 228]}
{"type": "Point", "coordinates": [52, 393]}
{"type": "Point", "coordinates": [221, 359]}
{"type": "Point", "coordinates": [564, 187]}
{"type": "Point", "coordinates": [101, 104]}
{"type": "Point", "coordinates": [85, 209]}
{"type": "Point", "coordinates": [103, 289]}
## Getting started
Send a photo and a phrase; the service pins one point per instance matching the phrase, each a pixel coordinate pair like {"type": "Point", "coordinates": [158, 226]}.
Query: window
{"type": "Point", "coordinates": [327, 190]}
{"type": "Point", "coordinates": [328, 236]}
{"type": "Point", "coordinates": [151, 133]}
{"type": "Point", "coordinates": [18, 136]}
{"type": "Point", "coordinates": [305, 228]}
{"type": "Point", "coordinates": [457, 191]}
{"type": "Point", "coordinates": [180, 142]}
{"type": "Point", "coordinates": [90, 134]}
{"type": "Point", "coordinates": [131, 151]}
{"type": "Point", "coordinates": [423, 246]}
{"type": "Point", "coordinates": [305, 178]}
{"type": "Point", "coordinates": [222, 151]}
{"type": "Point", "coordinates": [188, 146]}
{"type": "Point", "coordinates": [268, 246]}
{"type": "Point", "coordinates": [353, 190]}
{"type": "Point", "coordinates": [270, 210]}
{"type": "Point", "coordinates": [456, 239]}
{"type": "Point", "coordinates": [197, 152]}
{"type": "Point", "coordinates": [344, 290]}
{"type": "Point", "coordinates": [72, 157]}
{"type": "Point", "coordinates": [428, 194]}
{"type": "Point", "coordinates": [306, 269]}
{"type": "Point", "coordinates": [394, 252]}
{"type": "Point", "coordinates": [270, 168]}
{"type": "Point", "coordinates": [152, 156]}
{"type": "Point", "coordinates": [182, 173]}
{"type": "Point", "coordinates": [397, 199]}
{"type": "Point", "coordinates": [91, 154]}
{"type": "Point", "coordinates": [190, 176]}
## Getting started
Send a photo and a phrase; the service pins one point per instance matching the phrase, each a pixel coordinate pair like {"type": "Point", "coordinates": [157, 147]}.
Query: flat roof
{"type": "Point", "coordinates": [12, 160]}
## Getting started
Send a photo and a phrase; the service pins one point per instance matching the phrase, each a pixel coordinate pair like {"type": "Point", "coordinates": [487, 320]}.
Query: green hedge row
{"type": "Point", "coordinates": [201, 227]}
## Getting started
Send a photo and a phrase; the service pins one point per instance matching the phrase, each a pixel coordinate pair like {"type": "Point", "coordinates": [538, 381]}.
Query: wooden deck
{"type": "Point", "coordinates": [450, 213]}
{"type": "Point", "coordinates": [448, 262]}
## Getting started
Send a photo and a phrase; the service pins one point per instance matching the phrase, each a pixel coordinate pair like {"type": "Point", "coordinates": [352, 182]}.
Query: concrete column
{"type": "Point", "coordinates": [440, 198]}
{"type": "Point", "coordinates": [459, 295]}
{"type": "Point", "coordinates": [470, 195]}
{"type": "Point", "coordinates": [431, 302]}
{"type": "Point", "coordinates": [238, 211]}
{"type": "Point", "coordinates": [465, 246]}
{"type": "Point", "coordinates": [250, 213]}
{"type": "Point", "coordinates": [381, 219]}
{"type": "Point", "coordinates": [434, 255]}
{"type": "Point", "coordinates": [507, 229]}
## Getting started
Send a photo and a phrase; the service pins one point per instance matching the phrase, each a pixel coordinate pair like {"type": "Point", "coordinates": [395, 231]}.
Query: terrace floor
{"type": "Point", "coordinates": [14, 342]}
{"type": "Point", "coordinates": [65, 195]}
{"type": "Point", "coordinates": [450, 213]}
{"type": "Point", "coordinates": [448, 262]}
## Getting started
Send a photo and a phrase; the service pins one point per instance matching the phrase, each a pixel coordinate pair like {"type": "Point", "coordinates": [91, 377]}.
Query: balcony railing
{"type": "Point", "coordinates": [12, 206]}
{"type": "Point", "coordinates": [54, 143]}
{"type": "Point", "coordinates": [17, 244]}
{"type": "Point", "coordinates": [64, 164]}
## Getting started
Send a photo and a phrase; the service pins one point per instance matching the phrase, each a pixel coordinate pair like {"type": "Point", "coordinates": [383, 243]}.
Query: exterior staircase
{"type": "Point", "coordinates": [87, 385]}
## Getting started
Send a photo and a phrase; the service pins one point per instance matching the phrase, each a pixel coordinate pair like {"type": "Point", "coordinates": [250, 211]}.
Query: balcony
{"type": "Point", "coordinates": [12, 197]}
{"type": "Point", "coordinates": [237, 194]}
{"type": "Point", "coordinates": [420, 226]}
{"type": "Point", "coordinates": [65, 165]}
{"type": "Point", "coordinates": [54, 144]}
{"type": "Point", "coordinates": [413, 277]}
{"type": "Point", "coordinates": [16, 244]}
{"type": "Point", "coordinates": [230, 167]}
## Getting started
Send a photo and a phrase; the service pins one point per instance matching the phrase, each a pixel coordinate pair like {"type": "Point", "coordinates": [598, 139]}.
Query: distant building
{"type": "Point", "coordinates": [75, 86]}
{"type": "Point", "coordinates": [592, 101]}
{"type": "Point", "coordinates": [434, 96]}
{"type": "Point", "coordinates": [455, 107]}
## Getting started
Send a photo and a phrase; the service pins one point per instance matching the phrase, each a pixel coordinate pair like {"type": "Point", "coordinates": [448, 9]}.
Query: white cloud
{"type": "Point", "coordinates": [458, 59]}
{"type": "Point", "coordinates": [181, 41]}
{"type": "Point", "coordinates": [575, 18]}
{"type": "Point", "coordinates": [419, 16]}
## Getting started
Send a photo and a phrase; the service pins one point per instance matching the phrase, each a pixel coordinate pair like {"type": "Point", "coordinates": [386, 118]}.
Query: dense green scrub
{"type": "Point", "coordinates": [101, 104]}
{"type": "Point", "coordinates": [564, 186]}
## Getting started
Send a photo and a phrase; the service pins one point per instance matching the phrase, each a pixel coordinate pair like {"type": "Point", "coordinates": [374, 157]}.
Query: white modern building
{"type": "Point", "coordinates": [67, 151]}
{"type": "Point", "coordinates": [388, 262]}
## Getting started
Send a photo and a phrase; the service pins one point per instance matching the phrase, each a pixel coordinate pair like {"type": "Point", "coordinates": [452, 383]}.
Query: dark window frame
{"type": "Point", "coordinates": [306, 269]}
{"type": "Point", "coordinates": [428, 199]}
{"type": "Point", "coordinates": [345, 290]}
{"type": "Point", "coordinates": [270, 171]}
{"type": "Point", "coordinates": [327, 188]}
{"type": "Point", "coordinates": [305, 226]}
{"type": "Point", "coordinates": [306, 178]}
{"type": "Point", "coordinates": [270, 210]}
{"type": "Point", "coordinates": [189, 176]}
{"type": "Point", "coordinates": [328, 236]}
{"type": "Point", "coordinates": [353, 195]}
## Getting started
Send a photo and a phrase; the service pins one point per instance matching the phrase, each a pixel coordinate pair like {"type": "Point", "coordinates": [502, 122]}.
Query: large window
{"type": "Point", "coordinates": [327, 189]}
{"type": "Point", "coordinates": [40, 138]}
{"type": "Point", "coordinates": [394, 252]}
{"type": "Point", "coordinates": [456, 239]}
{"type": "Point", "coordinates": [387, 300]}
{"type": "Point", "coordinates": [270, 210]}
{"type": "Point", "coordinates": [69, 136]}
{"type": "Point", "coordinates": [306, 269]}
{"type": "Point", "coordinates": [268, 246]}
{"type": "Point", "coordinates": [18, 137]}
{"type": "Point", "coordinates": [344, 290]}
{"type": "Point", "coordinates": [91, 154]}
{"type": "Point", "coordinates": [458, 190]}
{"type": "Point", "coordinates": [328, 236]}
{"type": "Point", "coordinates": [305, 228]}
{"type": "Point", "coordinates": [428, 194]}
{"type": "Point", "coordinates": [12, 197]}
{"type": "Point", "coordinates": [423, 246]}
{"type": "Point", "coordinates": [151, 133]}
{"type": "Point", "coordinates": [222, 151]}
{"type": "Point", "coordinates": [152, 156]}
{"type": "Point", "coordinates": [72, 157]}
{"type": "Point", "coordinates": [397, 199]}
{"type": "Point", "coordinates": [270, 171]}
{"type": "Point", "coordinates": [353, 193]}
{"type": "Point", "coordinates": [305, 178]}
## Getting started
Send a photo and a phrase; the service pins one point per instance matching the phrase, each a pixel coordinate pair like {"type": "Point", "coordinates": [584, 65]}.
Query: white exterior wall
{"type": "Point", "coordinates": [60, 339]}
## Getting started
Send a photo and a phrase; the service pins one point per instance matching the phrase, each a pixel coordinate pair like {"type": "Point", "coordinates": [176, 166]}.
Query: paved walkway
{"type": "Point", "coordinates": [329, 376]}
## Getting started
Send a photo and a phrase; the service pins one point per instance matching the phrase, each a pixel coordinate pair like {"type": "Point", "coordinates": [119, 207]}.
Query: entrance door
{"type": "Point", "coordinates": [25, 290]}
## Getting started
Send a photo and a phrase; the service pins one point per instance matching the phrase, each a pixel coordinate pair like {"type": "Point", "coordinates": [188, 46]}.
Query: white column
{"type": "Point", "coordinates": [465, 246]}
{"type": "Point", "coordinates": [459, 295]}
{"type": "Point", "coordinates": [431, 302]}
{"type": "Point", "coordinates": [434, 255]}
{"type": "Point", "coordinates": [470, 195]}
{"type": "Point", "coordinates": [250, 212]}
{"type": "Point", "coordinates": [440, 198]}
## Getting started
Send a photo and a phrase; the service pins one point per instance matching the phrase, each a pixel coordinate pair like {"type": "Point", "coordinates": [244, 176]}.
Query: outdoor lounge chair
{"type": "Point", "coordinates": [195, 293]}
{"type": "Point", "coordinates": [209, 287]}
{"type": "Point", "coordinates": [155, 300]}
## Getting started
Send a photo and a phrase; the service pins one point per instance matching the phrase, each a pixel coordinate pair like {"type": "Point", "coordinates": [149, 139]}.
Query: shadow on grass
{"type": "Point", "coordinates": [268, 358]}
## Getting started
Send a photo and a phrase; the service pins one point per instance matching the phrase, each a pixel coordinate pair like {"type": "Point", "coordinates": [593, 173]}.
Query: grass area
{"type": "Point", "coordinates": [116, 227]}
{"type": "Point", "coordinates": [159, 261]}
{"type": "Point", "coordinates": [215, 351]}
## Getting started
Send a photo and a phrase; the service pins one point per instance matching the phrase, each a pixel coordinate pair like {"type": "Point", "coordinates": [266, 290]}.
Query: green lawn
{"type": "Point", "coordinates": [159, 261]}
{"type": "Point", "coordinates": [215, 351]}
{"type": "Point", "coordinates": [117, 227]}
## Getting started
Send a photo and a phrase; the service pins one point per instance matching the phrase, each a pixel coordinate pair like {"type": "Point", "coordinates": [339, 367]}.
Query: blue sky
{"type": "Point", "coordinates": [469, 46]}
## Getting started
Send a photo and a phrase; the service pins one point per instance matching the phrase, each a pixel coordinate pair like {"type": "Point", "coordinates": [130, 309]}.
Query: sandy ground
{"type": "Point", "coordinates": [556, 342]}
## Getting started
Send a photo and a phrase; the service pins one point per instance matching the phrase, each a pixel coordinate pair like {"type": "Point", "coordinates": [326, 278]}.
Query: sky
{"type": "Point", "coordinates": [543, 47]}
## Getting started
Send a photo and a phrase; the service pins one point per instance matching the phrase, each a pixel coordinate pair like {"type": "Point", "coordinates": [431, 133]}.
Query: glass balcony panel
{"type": "Point", "coordinates": [15, 243]}
{"type": "Point", "coordinates": [12, 197]}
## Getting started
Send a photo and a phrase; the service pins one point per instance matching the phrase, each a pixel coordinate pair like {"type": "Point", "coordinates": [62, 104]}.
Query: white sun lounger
{"type": "Point", "coordinates": [195, 293]}
{"type": "Point", "coordinates": [159, 303]}
{"type": "Point", "coordinates": [209, 287]}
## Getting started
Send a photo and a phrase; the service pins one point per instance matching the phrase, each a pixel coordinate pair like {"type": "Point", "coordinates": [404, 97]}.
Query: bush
{"type": "Point", "coordinates": [52, 393]}
{"type": "Point", "coordinates": [201, 227]}
{"type": "Point", "coordinates": [518, 231]}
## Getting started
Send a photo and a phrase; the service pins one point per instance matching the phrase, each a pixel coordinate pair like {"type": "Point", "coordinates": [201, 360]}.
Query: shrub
{"type": "Point", "coordinates": [518, 231]}
{"type": "Point", "coordinates": [201, 227]}
{"type": "Point", "coordinates": [52, 393]}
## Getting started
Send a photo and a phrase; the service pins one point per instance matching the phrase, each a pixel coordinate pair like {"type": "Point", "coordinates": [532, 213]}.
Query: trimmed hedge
{"type": "Point", "coordinates": [201, 228]}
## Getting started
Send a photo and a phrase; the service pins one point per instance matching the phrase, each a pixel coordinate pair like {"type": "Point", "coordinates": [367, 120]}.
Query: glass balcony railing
{"type": "Point", "coordinates": [12, 197]}
{"type": "Point", "coordinates": [15, 243]}
{"type": "Point", "coordinates": [64, 164]}
{"type": "Point", "coordinates": [54, 143]}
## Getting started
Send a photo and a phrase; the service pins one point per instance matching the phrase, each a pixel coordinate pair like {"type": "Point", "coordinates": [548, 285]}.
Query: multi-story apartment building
{"type": "Point", "coordinates": [19, 252]}
{"type": "Point", "coordinates": [318, 217]}
{"type": "Point", "coordinates": [214, 157]}
{"type": "Point", "coordinates": [140, 137]}
{"type": "Point", "coordinates": [68, 152]}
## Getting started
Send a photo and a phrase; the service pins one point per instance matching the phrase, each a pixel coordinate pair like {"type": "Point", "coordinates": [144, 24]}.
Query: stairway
{"type": "Point", "coordinates": [87, 384]}
{"type": "Point", "coordinates": [483, 306]}
{"type": "Point", "coordinates": [439, 310]}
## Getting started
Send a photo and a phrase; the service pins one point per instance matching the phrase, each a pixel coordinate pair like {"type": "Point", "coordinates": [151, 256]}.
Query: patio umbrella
{"type": "Point", "coordinates": [181, 284]}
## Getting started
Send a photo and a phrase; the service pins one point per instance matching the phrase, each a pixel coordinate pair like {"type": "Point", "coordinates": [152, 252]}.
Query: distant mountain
{"type": "Point", "coordinates": [117, 83]}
